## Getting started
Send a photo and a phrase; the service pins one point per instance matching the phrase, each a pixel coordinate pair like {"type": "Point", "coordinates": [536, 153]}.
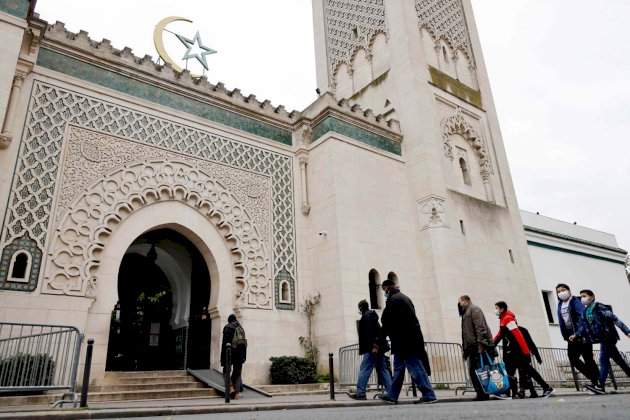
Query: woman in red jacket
{"type": "Point", "coordinates": [516, 354]}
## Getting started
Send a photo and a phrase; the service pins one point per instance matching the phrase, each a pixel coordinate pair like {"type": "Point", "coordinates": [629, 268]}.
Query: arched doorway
{"type": "Point", "coordinates": [161, 319]}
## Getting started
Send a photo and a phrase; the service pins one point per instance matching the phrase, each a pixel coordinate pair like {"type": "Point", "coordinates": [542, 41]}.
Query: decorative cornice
{"type": "Point", "coordinates": [574, 239]}
{"type": "Point", "coordinates": [571, 251]}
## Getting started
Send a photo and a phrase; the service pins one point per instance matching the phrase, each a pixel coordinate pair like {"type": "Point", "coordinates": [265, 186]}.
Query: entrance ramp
{"type": "Point", "coordinates": [214, 379]}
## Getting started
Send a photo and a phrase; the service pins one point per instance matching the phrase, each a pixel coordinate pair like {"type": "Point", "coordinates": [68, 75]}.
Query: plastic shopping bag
{"type": "Point", "coordinates": [492, 376]}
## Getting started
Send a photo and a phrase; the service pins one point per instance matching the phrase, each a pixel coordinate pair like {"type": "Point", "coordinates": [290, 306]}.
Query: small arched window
{"type": "Point", "coordinates": [393, 277]}
{"type": "Point", "coordinates": [285, 292]}
{"type": "Point", "coordinates": [465, 173]}
{"type": "Point", "coordinates": [20, 267]}
{"type": "Point", "coordinates": [444, 54]}
{"type": "Point", "coordinates": [374, 283]}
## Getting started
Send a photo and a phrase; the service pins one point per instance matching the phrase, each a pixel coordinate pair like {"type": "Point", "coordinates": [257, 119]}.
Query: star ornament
{"type": "Point", "coordinates": [196, 49]}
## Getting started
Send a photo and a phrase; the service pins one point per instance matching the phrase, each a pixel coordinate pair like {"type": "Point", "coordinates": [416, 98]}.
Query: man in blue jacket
{"type": "Point", "coordinates": [597, 325]}
{"type": "Point", "coordinates": [570, 310]}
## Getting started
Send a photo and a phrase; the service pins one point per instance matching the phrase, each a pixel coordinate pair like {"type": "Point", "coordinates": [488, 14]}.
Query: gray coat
{"type": "Point", "coordinates": [476, 334]}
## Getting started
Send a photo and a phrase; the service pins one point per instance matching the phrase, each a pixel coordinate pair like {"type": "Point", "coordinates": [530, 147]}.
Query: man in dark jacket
{"type": "Point", "coordinates": [597, 325]}
{"type": "Point", "coordinates": [373, 346]}
{"type": "Point", "coordinates": [570, 310]}
{"type": "Point", "coordinates": [238, 352]}
{"type": "Point", "coordinates": [476, 340]}
{"type": "Point", "coordinates": [403, 328]}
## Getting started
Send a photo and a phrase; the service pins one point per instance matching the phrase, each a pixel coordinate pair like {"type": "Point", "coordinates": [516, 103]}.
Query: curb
{"type": "Point", "coordinates": [108, 413]}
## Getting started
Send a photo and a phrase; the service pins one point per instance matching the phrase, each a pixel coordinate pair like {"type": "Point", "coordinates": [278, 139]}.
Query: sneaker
{"type": "Point", "coordinates": [425, 401]}
{"type": "Point", "coordinates": [501, 396]}
{"type": "Point", "coordinates": [533, 395]}
{"type": "Point", "coordinates": [547, 392]}
{"type": "Point", "coordinates": [484, 398]}
{"type": "Point", "coordinates": [357, 397]}
{"type": "Point", "coordinates": [387, 399]}
{"type": "Point", "coordinates": [597, 389]}
{"type": "Point", "coordinates": [520, 394]}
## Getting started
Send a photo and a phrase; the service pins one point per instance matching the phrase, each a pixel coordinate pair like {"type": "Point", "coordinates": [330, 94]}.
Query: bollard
{"type": "Point", "coordinates": [227, 371]}
{"type": "Point", "coordinates": [331, 371]}
{"type": "Point", "coordinates": [86, 372]}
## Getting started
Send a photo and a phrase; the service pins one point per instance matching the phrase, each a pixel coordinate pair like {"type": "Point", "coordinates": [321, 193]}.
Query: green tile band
{"type": "Point", "coordinates": [17, 8]}
{"type": "Point", "coordinates": [94, 74]}
{"type": "Point", "coordinates": [333, 124]}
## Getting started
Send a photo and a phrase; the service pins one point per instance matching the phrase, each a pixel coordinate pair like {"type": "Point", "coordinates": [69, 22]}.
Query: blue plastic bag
{"type": "Point", "coordinates": [493, 377]}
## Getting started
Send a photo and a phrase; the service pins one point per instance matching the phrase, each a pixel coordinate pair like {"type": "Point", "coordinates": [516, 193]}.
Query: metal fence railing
{"type": "Point", "coordinates": [449, 369]}
{"type": "Point", "coordinates": [35, 357]}
{"type": "Point", "coordinates": [447, 365]}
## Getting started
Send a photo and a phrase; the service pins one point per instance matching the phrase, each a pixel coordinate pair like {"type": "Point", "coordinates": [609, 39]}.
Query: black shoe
{"type": "Point", "coordinates": [597, 389]}
{"type": "Point", "coordinates": [520, 394]}
{"type": "Point", "coordinates": [547, 392]}
{"type": "Point", "coordinates": [481, 398]}
{"type": "Point", "coordinates": [533, 395]}
{"type": "Point", "coordinates": [357, 397]}
{"type": "Point", "coordinates": [425, 401]}
{"type": "Point", "coordinates": [387, 399]}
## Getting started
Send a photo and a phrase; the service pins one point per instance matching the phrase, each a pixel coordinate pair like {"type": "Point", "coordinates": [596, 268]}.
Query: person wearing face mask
{"type": "Point", "coordinates": [476, 340]}
{"type": "Point", "coordinates": [403, 328]}
{"type": "Point", "coordinates": [373, 346]}
{"type": "Point", "coordinates": [570, 310]}
{"type": "Point", "coordinates": [516, 353]}
{"type": "Point", "coordinates": [597, 325]}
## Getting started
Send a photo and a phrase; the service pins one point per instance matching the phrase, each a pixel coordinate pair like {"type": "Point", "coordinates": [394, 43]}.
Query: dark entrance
{"type": "Point", "coordinates": [161, 319]}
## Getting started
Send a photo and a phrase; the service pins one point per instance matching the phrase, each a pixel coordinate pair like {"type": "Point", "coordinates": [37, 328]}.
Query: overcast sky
{"type": "Point", "coordinates": [559, 71]}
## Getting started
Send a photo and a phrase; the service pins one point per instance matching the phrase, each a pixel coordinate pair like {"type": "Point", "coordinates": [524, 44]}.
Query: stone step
{"type": "Point", "coordinates": [141, 380]}
{"type": "Point", "coordinates": [120, 387]}
{"type": "Point", "coordinates": [152, 395]}
{"type": "Point", "coordinates": [146, 373]}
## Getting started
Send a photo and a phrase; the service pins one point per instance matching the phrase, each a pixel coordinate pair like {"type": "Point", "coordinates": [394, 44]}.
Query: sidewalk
{"type": "Point", "coordinates": [217, 405]}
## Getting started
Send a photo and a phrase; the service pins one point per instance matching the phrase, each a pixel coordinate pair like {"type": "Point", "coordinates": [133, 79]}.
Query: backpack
{"type": "Point", "coordinates": [239, 340]}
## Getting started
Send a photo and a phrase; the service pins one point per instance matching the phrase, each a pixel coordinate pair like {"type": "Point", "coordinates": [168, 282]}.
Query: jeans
{"type": "Point", "coordinates": [417, 372]}
{"type": "Point", "coordinates": [588, 368]}
{"type": "Point", "coordinates": [609, 351]}
{"type": "Point", "coordinates": [371, 361]}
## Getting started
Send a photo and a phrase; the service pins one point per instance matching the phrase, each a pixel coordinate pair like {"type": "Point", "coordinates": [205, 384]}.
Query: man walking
{"type": "Point", "coordinates": [234, 334]}
{"type": "Point", "coordinates": [403, 328]}
{"type": "Point", "coordinates": [476, 340]}
{"type": "Point", "coordinates": [570, 311]}
{"type": "Point", "coordinates": [597, 325]}
{"type": "Point", "coordinates": [373, 346]}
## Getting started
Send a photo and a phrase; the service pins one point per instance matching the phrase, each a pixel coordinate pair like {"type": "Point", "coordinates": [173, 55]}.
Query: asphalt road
{"type": "Point", "coordinates": [569, 408]}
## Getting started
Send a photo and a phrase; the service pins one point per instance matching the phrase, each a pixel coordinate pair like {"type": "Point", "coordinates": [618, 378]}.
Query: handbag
{"type": "Point", "coordinates": [493, 377]}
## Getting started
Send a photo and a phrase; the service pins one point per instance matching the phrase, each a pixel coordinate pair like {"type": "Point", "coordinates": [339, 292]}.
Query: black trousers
{"type": "Point", "coordinates": [473, 365]}
{"type": "Point", "coordinates": [588, 367]}
{"type": "Point", "coordinates": [235, 378]}
{"type": "Point", "coordinates": [526, 373]}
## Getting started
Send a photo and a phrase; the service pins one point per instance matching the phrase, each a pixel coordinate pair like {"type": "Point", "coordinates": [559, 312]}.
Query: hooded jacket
{"type": "Point", "coordinates": [514, 342]}
{"type": "Point", "coordinates": [576, 309]}
{"type": "Point", "coordinates": [599, 327]}
{"type": "Point", "coordinates": [403, 328]}
{"type": "Point", "coordinates": [239, 354]}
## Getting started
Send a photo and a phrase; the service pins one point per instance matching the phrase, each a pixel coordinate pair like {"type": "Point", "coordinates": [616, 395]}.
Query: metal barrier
{"type": "Point", "coordinates": [35, 357]}
{"type": "Point", "coordinates": [448, 367]}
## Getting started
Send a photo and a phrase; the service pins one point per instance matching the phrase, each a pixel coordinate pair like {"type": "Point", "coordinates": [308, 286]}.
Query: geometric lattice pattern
{"type": "Point", "coordinates": [445, 19]}
{"type": "Point", "coordinates": [351, 25]}
{"type": "Point", "coordinates": [52, 108]}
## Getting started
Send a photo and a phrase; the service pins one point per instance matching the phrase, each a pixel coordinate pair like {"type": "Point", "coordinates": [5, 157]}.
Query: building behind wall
{"type": "Point", "coordinates": [396, 171]}
{"type": "Point", "coordinates": [582, 258]}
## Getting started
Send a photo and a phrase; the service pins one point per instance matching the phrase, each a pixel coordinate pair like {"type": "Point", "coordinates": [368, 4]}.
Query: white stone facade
{"type": "Point", "coordinates": [582, 258]}
{"type": "Point", "coordinates": [398, 170]}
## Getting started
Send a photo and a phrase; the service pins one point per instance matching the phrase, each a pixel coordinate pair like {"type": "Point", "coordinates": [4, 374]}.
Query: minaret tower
{"type": "Point", "coordinates": [420, 62]}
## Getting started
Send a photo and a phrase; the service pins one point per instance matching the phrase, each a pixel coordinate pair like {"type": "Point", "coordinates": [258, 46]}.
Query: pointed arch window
{"type": "Point", "coordinates": [20, 267]}
{"type": "Point", "coordinates": [465, 173]}
{"type": "Point", "coordinates": [374, 283]}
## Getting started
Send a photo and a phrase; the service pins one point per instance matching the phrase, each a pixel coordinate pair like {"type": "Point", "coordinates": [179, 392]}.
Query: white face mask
{"type": "Point", "coordinates": [386, 294]}
{"type": "Point", "coordinates": [564, 295]}
{"type": "Point", "coordinates": [497, 312]}
{"type": "Point", "coordinates": [586, 300]}
{"type": "Point", "coordinates": [360, 313]}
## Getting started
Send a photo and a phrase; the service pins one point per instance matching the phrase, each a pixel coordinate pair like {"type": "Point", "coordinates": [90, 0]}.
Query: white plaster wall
{"type": "Point", "coordinates": [569, 229]}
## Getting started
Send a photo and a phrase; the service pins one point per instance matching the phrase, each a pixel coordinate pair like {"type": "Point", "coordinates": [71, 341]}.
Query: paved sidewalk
{"type": "Point", "coordinates": [119, 409]}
